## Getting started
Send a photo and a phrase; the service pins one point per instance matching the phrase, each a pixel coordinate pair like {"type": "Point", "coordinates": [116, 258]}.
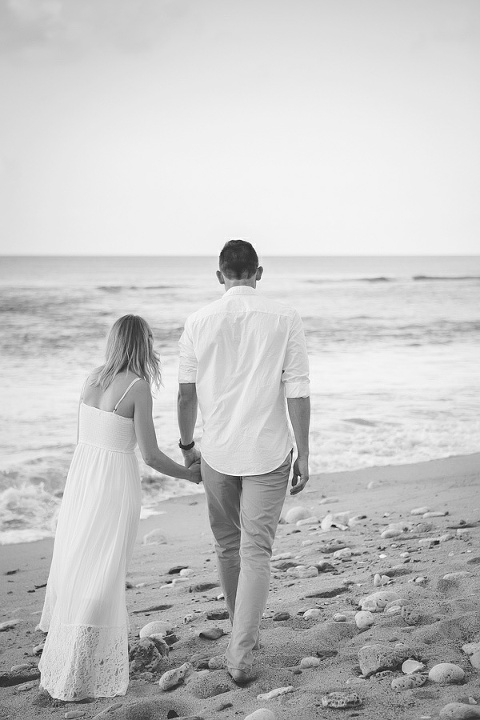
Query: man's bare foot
{"type": "Point", "coordinates": [242, 677]}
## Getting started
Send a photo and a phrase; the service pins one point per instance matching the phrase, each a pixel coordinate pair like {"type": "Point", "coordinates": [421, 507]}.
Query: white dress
{"type": "Point", "coordinates": [86, 650]}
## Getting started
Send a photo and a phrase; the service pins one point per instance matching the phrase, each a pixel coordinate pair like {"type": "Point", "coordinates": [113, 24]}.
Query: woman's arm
{"type": "Point", "coordinates": [147, 440]}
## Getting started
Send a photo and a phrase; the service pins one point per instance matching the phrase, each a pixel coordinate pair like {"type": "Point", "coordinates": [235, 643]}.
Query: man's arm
{"type": "Point", "coordinates": [187, 406]}
{"type": "Point", "coordinates": [297, 391]}
{"type": "Point", "coordinates": [187, 394]}
{"type": "Point", "coordinates": [299, 412]}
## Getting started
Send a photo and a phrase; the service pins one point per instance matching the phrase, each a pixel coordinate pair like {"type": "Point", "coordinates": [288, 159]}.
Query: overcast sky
{"type": "Point", "coordinates": [306, 126]}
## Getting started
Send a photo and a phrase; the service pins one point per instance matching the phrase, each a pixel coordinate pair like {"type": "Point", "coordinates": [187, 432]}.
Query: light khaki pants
{"type": "Point", "coordinates": [244, 514]}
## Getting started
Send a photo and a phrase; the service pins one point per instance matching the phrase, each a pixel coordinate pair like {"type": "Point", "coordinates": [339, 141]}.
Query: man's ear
{"type": "Point", "coordinates": [220, 277]}
{"type": "Point", "coordinates": [259, 274]}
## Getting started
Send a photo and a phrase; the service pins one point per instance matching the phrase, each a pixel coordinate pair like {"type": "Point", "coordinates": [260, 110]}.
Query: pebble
{"type": "Point", "coordinates": [307, 521]}
{"type": "Point", "coordinates": [279, 616]}
{"type": "Point", "coordinates": [217, 662]}
{"type": "Point", "coordinates": [261, 714]}
{"type": "Point", "coordinates": [9, 625]}
{"type": "Point", "coordinates": [342, 554]}
{"type": "Point", "coordinates": [156, 627]}
{"type": "Point", "coordinates": [475, 660]}
{"type": "Point", "coordinates": [380, 580]}
{"type": "Point", "coordinates": [147, 654]}
{"type": "Point", "coordinates": [203, 587]}
{"type": "Point", "coordinates": [338, 617]}
{"type": "Point", "coordinates": [327, 500]}
{"type": "Point", "coordinates": [377, 601]}
{"type": "Point", "coordinates": [8, 679]}
{"type": "Point", "coordinates": [375, 657]}
{"type": "Point", "coordinates": [446, 673]}
{"type": "Point", "coordinates": [364, 620]}
{"type": "Point", "coordinates": [341, 700]}
{"type": "Point", "coordinates": [72, 714]}
{"type": "Point", "coordinates": [38, 649]}
{"type": "Point", "coordinates": [419, 511]}
{"type": "Point", "coordinates": [188, 618]}
{"type": "Point", "coordinates": [303, 571]}
{"type": "Point", "coordinates": [281, 556]}
{"type": "Point", "coordinates": [393, 610]}
{"type": "Point", "coordinates": [296, 513]}
{"type": "Point", "coordinates": [275, 693]}
{"type": "Point", "coordinates": [172, 678]}
{"type": "Point", "coordinates": [187, 572]}
{"type": "Point", "coordinates": [311, 613]}
{"type": "Point", "coordinates": [105, 711]}
{"type": "Point", "coordinates": [434, 513]}
{"type": "Point", "coordinates": [217, 615]}
{"type": "Point", "coordinates": [309, 662]}
{"type": "Point", "coordinates": [471, 648]}
{"type": "Point", "coordinates": [457, 575]}
{"type": "Point", "coordinates": [408, 682]}
{"type": "Point", "coordinates": [459, 711]}
{"type": "Point", "coordinates": [391, 533]}
{"type": "Point", "coordinates": [177, 569]}
{"type": "Point", "coordinates": [211, 633]}
{"type": "Point", "coordinates": [338, 520]}
{"type": "Point", "coordinates": [412, 666]}
{"type": "Point", "coordinates": [206, 684]}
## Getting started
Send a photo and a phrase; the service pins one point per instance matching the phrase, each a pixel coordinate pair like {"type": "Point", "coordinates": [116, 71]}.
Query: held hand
{"type": "Point", "coordinates": [190, 456]}
{"type": "Point", "coordinates": [195, 474]}
{"type": "Point", "coordinates": [300, 475]}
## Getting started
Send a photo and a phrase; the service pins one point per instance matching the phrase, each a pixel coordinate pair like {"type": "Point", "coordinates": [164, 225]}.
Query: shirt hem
{"type": "Point", "coordinates": [250, 473]}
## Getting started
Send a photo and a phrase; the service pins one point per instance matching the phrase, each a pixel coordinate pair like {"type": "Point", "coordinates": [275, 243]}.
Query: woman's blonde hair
{"type": "Point", "coordinates": [130, 347]}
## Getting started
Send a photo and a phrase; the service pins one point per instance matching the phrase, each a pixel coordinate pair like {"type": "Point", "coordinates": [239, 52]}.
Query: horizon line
{"type": "Point", "coordinates": [290, 255]}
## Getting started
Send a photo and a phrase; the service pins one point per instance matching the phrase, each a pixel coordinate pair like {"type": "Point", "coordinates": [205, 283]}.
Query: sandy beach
{"type": "Point", "coordinates": [425, 572]}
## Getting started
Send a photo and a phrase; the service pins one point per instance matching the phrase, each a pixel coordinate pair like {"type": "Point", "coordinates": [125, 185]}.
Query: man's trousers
{"type": "Point", "coordinates": [244, 514]}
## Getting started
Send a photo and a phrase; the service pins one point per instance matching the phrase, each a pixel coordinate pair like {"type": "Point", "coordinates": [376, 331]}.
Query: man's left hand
{"type": "Point", "coordinates": [300, 475]}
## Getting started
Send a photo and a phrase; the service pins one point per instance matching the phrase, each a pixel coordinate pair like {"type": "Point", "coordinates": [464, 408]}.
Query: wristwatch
{"type": "Point", "coordinates": [186, 447]}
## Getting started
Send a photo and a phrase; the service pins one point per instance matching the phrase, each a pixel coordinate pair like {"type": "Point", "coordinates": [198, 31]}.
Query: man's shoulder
{"type": "Point", "coordinates": [206, 310]}
{"type": "Point", "coordinates": [275, 306]}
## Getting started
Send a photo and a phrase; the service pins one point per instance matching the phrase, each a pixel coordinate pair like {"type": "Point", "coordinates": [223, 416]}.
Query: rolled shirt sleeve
{"type": "Point", "coordinates": [295, 376]}
{"type": "Point", "coordinates": [187, 371]}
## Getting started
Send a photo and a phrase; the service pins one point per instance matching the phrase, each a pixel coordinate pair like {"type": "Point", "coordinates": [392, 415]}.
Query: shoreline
{"type": "Point", "coordinates": [442, 613]}
{"type": "Point", "coordinates": [399, 471]}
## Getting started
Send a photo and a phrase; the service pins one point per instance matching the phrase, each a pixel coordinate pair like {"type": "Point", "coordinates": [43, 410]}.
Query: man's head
{"type": "Point", "coordinates": [238, 263]}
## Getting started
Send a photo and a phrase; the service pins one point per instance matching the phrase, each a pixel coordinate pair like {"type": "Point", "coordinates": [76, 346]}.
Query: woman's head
{"type": "Point", "coordinates": [130, 347]}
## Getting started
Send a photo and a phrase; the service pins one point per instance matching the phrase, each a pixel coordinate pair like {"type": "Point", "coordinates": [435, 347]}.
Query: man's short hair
{"type": "Point", "coordinates": [238, 260]}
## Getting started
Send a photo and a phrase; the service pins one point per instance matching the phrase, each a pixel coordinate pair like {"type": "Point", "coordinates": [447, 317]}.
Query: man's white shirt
{"type": "Point", "coordinates": [246, 354]}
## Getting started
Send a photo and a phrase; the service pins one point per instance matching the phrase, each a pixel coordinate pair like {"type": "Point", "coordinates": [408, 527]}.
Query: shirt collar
{"type": "Point", "coordinates": [240, 290]}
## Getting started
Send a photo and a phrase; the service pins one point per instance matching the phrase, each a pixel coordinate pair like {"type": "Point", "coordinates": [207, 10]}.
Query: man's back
{"type": "Point", "coordinates": [245, 353]}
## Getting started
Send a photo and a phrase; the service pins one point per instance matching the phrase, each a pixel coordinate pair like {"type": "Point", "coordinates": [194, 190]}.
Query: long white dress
{"type": "Point", "coordinates": [86, 650]}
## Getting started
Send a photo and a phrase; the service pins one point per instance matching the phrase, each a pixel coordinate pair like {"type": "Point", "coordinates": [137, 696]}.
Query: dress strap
{"type": "Point", "coordinates": [83, 389]}
{"type": "Point", "coordinates": [126, 391]}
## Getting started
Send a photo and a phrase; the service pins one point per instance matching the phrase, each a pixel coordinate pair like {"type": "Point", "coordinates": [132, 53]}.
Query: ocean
{"type": "Point", "coordinates": [393, 342]}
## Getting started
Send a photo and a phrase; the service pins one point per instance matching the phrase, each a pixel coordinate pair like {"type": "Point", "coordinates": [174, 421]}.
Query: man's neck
{"type": "Point", "coordinates": [248, 282]}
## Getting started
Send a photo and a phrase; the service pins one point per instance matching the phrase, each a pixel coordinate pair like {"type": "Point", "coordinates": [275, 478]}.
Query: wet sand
{"type": "Point", "coordinates": [429, 617]}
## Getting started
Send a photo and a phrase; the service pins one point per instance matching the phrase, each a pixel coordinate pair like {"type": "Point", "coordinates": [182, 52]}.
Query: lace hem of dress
{"type": "Point", "coordinates": [82, 661]}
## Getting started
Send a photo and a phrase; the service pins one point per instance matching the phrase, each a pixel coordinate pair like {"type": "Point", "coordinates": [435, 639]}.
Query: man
{"type": "Point", "coordinates": [240, 357]}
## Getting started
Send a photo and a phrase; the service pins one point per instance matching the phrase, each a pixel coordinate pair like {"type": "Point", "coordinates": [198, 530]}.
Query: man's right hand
{"type": "Point", "coordinates": [300, 475]}
{"type": "Point", "coordinates": [191, 456]}
{"type": "Point", "coordinates": [195, 472]}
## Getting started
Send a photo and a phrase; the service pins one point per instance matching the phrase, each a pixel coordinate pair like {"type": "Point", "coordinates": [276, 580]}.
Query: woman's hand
{"type": "Point", "coordinates": [195, 474]}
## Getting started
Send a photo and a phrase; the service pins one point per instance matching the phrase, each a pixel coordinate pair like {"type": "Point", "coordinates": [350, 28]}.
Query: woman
{"type": "Point", "coordinates": [86, 650]}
